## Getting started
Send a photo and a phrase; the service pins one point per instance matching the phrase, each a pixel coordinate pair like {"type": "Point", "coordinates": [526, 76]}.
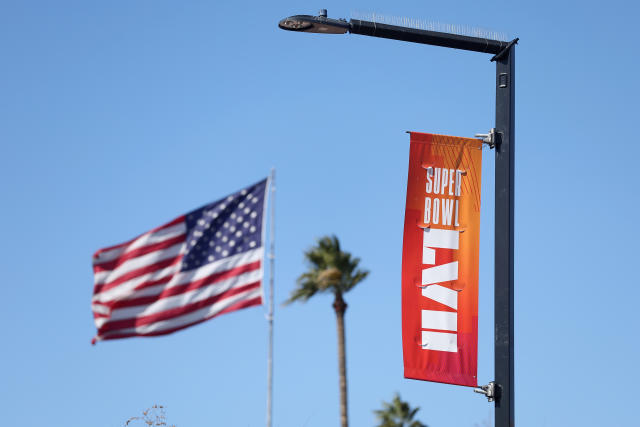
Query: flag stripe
{"type": "Point", "coordinates": [150, 284]}
{"type": "Point", "coordinates": [253, 301]}
{"type": "Point", "coordinates": [151, 268]}
{"type": "Point", "coordinates": [158, 237]}
{"type": "Point", "coordinates": [143, 239]}
{"type": "Point", "coordinates": [166, 326]}
{"type": "Point", "coordinates": [190, 296]}
{"type": "Point", "coordinates": [124, 289]}
{"type": "Point", "coordinates": [164, 307]}
{"type": "Point", "coordinates": [135, 264]}
{"type": "Point", "coordinates": [116, 262]}
{"type": "Point", "coordinates": [166, 292]}
{"type": "Point", "coordinates": [176, 311]}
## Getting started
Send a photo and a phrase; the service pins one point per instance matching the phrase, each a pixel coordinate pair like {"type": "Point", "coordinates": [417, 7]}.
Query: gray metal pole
{"type": "Point", "coordinates": [504, 192]}
{"type": "Point", "coordinates": [272, 258]}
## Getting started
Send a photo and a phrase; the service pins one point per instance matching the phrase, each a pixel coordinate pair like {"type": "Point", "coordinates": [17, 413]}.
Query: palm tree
{"type": "Point", "coordinates": [398, 414]}
{"type": "Point", "coordinates": [331, 270]}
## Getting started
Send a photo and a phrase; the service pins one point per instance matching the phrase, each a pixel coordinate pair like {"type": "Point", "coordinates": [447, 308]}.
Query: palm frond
{"type": "Point", "coordinates": [307, 287]}
{"type": "Point", "coordinates": [330, 269]}
{"type": "Point", "coordinates": [398, 413]}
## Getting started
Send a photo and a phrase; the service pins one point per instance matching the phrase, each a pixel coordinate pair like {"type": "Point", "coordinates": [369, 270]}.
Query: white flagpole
{"type": "Point", "coordinates": [272, 257]}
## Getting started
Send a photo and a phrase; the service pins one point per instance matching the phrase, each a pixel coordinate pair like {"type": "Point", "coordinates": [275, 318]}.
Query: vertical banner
{"type": "Point", "coordinates": [440, 259]}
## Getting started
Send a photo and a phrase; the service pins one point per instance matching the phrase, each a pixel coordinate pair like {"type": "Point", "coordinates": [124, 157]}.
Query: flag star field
{"type": "Point", "coordinates": [225, 227]}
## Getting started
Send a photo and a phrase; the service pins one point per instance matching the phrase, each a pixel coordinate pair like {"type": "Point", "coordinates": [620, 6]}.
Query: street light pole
{"type": "Point", "coordinates": [503, 140]}
{"type": "Point", "coordinates": [503, 250]}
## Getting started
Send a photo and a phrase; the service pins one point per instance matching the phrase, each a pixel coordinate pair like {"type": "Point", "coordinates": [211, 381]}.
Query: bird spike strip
{"type": "Point", "coordinates": [421, 24]}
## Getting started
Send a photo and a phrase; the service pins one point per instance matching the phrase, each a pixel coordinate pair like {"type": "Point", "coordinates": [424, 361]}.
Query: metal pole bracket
{"type": "Point", "coordinates": [488, 390]}
{"type": "Point", "coordinates": [488, 138]}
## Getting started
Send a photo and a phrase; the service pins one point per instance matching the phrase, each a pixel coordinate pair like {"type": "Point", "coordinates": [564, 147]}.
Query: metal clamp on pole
{"type": "Point", "coordinates": [488, 138]}
{"type": "Point", "coordinates": [488, 390]}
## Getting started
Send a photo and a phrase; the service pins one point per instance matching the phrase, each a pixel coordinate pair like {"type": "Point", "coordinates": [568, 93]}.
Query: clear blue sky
{"type": "Point", "coordinates": [116, 116]}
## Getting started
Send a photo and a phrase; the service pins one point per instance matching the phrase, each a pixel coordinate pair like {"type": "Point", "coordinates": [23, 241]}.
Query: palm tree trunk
{"type": "Point", "coordinates": [340, 307]}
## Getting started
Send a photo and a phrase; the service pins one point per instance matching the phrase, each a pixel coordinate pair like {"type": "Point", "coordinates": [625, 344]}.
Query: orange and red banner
{"type": "Point", "coordinates": [440, 259]}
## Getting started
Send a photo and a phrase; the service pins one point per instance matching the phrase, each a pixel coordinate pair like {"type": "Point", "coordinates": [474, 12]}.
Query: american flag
{"type": "Point", "coordinates": [198, 266]}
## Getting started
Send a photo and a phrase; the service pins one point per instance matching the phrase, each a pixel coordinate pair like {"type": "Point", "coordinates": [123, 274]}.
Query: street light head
{"type": "Point", "coordinates": [293, 23]}
{"type": "Point", "coordinates": [315, 24]}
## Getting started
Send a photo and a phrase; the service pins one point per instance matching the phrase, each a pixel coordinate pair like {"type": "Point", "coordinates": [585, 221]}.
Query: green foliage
{"type": "Point", "coordinates": [397, 414]}
{"type": "Point", "coordinates": [330, 269]}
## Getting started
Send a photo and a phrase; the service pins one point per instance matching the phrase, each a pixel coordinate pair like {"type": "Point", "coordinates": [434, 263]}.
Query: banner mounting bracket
{"type": "Point", "coordinates": [488, 390]}
{"type": "Point", "coordinates": [488, 138]}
